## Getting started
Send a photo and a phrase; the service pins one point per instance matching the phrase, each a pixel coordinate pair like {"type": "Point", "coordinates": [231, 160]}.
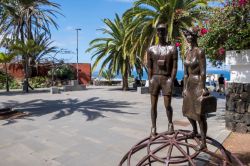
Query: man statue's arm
{"type": "Point", "coordinates": [149, 65]}
{"type": "Point", "coordinates": [175, 63]}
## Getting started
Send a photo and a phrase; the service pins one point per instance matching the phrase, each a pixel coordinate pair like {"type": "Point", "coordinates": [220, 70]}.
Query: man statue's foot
{"type": "Point", "coordinates": [193, 134]}
{"type": "Point", "coordinates": [153, 132]}
{"type": "Point", "coordinates": [170, 127]}
{"type": "Point", "coordinates": [201, 147]}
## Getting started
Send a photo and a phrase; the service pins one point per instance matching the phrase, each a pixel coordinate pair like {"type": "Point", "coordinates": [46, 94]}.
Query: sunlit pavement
{"type": "Point", "coordinates": [92, 127]}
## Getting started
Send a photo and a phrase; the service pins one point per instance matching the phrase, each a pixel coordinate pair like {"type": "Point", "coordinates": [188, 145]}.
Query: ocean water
{"type": "Point", "coordinates": [179, 75]}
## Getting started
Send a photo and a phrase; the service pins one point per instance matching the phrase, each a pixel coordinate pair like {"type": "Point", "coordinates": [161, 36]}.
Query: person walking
{"type": "Point", "coordinates": [221, 81]}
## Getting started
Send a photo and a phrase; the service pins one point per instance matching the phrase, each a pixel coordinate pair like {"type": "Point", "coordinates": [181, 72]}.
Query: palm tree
{"type": "Point", "coordinates": [27, 49]}
{"type": "Point", "coordinates": [108, 75]}
{"type": "Point", "coordinates": [23, 20]}
{"type": "Point", "coordinates": [43, 41]}
{"type": "Point", "coordinates": [47, 48]}
{"type": "Point", "coordinates": [146, 14]}
{"type": "Point", "coordinates": [5, 58]}
{"type": "Point", "coordinates": [110, 50]}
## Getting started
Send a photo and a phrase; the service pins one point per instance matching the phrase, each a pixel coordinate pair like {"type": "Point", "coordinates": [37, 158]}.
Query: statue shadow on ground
{"type": "Point", "coordinates": [92, 108]}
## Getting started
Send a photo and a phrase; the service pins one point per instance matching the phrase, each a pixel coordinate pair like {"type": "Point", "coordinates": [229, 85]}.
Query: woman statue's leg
{"type": "Point", "coordinates": [203, 129]}
{"type": "Point", "coordinates": [194, 125]}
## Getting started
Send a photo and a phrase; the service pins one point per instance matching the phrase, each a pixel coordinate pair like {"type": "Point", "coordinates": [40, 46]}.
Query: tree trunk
{"type": "Point", "coordinates": [124, 83]}
{"type": "Point", "coordinates": [7, 79]}
{"type": "Point", "coordinates": [26, 80]}
{"type": "Point", "coordinates": [29, 37]}
{"type": "Point", "coordinates": [125, 80]}
{"type": "Point", "coordinates": [52, 75]}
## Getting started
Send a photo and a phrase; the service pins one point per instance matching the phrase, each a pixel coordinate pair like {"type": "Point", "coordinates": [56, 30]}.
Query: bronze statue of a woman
{"type": "Point", "coordinates": [194, 85]}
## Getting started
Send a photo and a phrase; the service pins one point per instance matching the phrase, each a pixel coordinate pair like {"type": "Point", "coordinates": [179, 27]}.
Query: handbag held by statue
{"type": "Point", "coordinates": [207, 104]}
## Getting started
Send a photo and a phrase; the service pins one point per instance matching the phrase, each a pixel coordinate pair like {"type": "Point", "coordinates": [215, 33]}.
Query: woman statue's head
{"type": "Point", "coordinates": [191, 34]}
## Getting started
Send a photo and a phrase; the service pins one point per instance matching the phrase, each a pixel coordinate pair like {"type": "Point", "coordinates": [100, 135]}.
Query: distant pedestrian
{"type": "Point", "coordinates": [221, 81]}
{"type": "Point", "coordinates": [182, 82]}
{"type": "Point", "coordinates": [213, 83]}
{"type": "Point", "coordinates": [176, 83]}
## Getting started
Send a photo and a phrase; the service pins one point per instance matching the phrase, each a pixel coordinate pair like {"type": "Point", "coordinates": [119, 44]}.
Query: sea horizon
{"type": "Point", "coordinates": [179, 75]}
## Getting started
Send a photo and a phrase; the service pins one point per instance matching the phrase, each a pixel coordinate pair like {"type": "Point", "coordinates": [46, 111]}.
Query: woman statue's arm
{"type": "Point", "coordinates": [185, 80]}
{"type": "Point", "coordinates": [202, 65]}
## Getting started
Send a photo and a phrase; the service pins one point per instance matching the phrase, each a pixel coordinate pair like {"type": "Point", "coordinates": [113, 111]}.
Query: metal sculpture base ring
{"type": "Point", "coordinates": [178, 147]}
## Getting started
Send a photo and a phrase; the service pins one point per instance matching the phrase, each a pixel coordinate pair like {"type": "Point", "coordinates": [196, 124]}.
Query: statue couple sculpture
{"type": "Point", "coordinates": [162, 60]}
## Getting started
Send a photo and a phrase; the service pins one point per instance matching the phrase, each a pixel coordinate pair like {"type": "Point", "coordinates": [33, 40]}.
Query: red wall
{"type": "Point", "coordinates": [84, 70]}
{"type": "Point", "coordinates": [16, 71]}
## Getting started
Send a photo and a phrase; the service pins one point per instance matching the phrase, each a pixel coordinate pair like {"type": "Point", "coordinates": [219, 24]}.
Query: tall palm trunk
{"type": "Point", "coordinates": [26, 81]}
{"type": "Point", "coordinates": [124, 83]}
{"type": "Point", "coordinates": [125, 79]}
{"type": "Point", "coordinates": [29, 34]}
{"type": "Point", "coordinates": [7, 78]}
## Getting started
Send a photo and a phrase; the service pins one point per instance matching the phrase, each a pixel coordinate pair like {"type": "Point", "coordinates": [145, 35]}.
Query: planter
{"type": "Point", "coordinates": [237, 115]}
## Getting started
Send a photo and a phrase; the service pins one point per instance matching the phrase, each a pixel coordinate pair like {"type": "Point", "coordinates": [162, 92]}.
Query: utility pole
{"type": "Point", "coordinates": [77, 72]}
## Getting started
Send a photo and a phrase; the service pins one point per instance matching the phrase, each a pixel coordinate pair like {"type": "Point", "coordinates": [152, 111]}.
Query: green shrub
{"type": "Point", "coordinates": [63, 72]}
{"type": "Point", "coordinates": [39, 82]}
{"type": "Point", "coordinates": [228, 29]}
{"type": "Point", "coordinates": [2, 86]}
{"type": "Point", "coordinates": [14, 84]}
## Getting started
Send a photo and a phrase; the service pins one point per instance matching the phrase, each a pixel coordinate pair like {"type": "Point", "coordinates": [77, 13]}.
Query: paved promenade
{"type": "Point", "coordinates": [86, 128]}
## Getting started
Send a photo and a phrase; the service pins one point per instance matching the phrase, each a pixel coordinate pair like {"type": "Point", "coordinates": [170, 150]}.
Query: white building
{"type": "Point", "coordinates": [239, 62]}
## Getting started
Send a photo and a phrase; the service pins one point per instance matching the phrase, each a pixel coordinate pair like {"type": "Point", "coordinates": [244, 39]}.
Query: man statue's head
{"type": "Point", "coordinates": [161, 31]}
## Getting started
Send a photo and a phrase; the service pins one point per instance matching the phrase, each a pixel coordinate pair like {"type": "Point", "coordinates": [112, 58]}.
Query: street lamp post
{"type": "Point", "coordinates": [77, 72]}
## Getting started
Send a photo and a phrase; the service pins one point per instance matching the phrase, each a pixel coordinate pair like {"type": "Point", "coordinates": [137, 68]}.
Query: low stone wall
{"type": "Point", "coordinates": [238, 107]}
{"type": "Point", "coordinates": [106, 83]}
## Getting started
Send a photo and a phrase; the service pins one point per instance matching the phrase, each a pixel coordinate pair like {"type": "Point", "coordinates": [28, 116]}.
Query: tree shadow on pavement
{"type": "Point", "coordinates": [92, 108]}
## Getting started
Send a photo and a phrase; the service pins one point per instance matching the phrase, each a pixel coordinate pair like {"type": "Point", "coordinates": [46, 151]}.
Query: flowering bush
{"type": "Point", "coordinates": [203, 31]}
{"type": "Point", "coordinates": [228, 29]}
{"type": "Point", "coordinates": [177, 44]}
{"type": "Point", "coordinates": [221, 51]}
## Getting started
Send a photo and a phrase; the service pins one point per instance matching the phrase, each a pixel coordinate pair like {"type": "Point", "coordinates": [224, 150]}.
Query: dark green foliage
{"type": "Point", "coordinates": [2, 80]}
{"type": "Point", "coordinates": [13, 84]}
{"type": "Point", "coordinates": [228, 29]}
{"type": "Point", "coordinates": [39, 82]}
{"type": "Point", "coordinates": [63, 72]}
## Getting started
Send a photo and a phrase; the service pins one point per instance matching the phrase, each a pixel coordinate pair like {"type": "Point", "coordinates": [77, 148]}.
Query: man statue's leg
{"type": "Point", "coordinates": [169, 111]}
{"type": "Point", "coordinates": [154, 100]}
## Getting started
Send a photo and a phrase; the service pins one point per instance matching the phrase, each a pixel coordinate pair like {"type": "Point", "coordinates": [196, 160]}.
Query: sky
{"type": "Point", "coordinates": [87, 15]}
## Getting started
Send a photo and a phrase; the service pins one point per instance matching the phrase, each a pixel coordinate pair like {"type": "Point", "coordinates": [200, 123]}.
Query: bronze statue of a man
{"type": "Point", "coordinates": [162, 68]}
